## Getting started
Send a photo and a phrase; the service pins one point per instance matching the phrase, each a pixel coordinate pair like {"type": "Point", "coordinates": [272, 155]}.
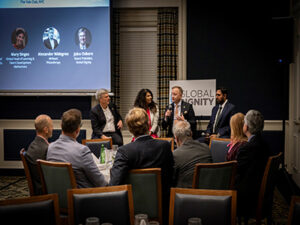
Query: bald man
{"type": "Point", "coordinates": [38, 148]}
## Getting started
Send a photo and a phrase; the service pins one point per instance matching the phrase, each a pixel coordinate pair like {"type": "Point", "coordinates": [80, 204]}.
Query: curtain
{"type": "Point", "coordinates": [115, 80]}
{"type": "Point", "coordinates": [167, 23]}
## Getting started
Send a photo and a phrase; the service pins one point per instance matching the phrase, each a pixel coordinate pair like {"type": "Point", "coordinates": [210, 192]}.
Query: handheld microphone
{"type": "Point", "coordinates": [170, 107]}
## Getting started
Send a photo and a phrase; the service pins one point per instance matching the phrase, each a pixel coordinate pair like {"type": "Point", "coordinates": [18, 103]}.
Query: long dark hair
{"type": "Point", "coordinates": [140, 100]}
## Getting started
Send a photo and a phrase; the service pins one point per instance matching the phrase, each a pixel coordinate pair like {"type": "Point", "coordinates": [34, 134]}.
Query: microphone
{"type": "Point", "coordinates": [170, 107]}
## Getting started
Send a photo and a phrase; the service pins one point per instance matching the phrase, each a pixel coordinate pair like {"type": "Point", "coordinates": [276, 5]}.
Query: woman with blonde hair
{"type": "Point", "coordinates": [238, 138]}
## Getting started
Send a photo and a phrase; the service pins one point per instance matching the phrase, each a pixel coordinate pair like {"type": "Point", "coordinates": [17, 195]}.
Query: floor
{"type": "Point", "coordinates": [16, 187]}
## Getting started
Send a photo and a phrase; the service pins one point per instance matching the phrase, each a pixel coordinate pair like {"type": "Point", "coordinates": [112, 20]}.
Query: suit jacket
{"type": "Point", "coordinates": [48, 44]}
{"type": "Point", "coordinates": [223, 126]}
{"type": "Point", "coordinates": [66, 149]}
{"type": "Point", "coordinates": [251, 162]}
{"type": "Point", "coordinates": [36, 150]}
{"type": "Point", "coordinates": [98, 119]}
{"type": "Point", "coordinates": [188, 113]}
{"type": "Point", "coordinates": [145, 152]}
{"type": "Point", "coordinates": [185, 158]}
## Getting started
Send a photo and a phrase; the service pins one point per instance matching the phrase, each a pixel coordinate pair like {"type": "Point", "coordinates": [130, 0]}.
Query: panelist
{"type": "Point", "coordinates": [106, 120]}
{"type": "Point", "coordinates": [67, 149]}
{"type": "Point", "coordinates": [144, 100]}
{"type": "Point", "coordinates": [179, 110]}
{"type": "Point", "coordinates": [218, 125]}
{"type": "Point", "coordinates": [19, 39]}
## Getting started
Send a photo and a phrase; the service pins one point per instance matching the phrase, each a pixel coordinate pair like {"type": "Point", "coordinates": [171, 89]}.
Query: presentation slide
{"type": "Point", "coordinates": [54, 45]}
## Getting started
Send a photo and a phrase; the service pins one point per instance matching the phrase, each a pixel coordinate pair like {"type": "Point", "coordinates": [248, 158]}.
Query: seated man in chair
{"type": "Point", "coordinates": [144, 152]}
{"type": "Point", "coordinates": [38, 148]}
{"type": "Point", "coordinates": [67, 149]}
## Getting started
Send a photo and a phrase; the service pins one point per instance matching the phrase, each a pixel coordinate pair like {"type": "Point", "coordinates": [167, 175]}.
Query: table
{"type": "Point", "coordinates": [109, 161]}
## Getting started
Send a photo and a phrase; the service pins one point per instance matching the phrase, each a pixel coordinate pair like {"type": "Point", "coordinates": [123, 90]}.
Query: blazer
{"type": "Point", "coordinates": [154, 121]}
{"type": "Point", "coordinates": [98, 120]}
{"type": "Point", "coordinates": [145, 152]}
{"type": "Point", "coordinates": [251, 162]}
{"type": "Point", "coordinates": [67, 149]}
{"type": "Point", "coordinates": [188, 113]}
{"type": "Point", "coordinates": [223, 126]}
{"type": "Point", "coordinates": [36, 150]}
{"type": "Point", "coordinates": [48, 45]}
{"type": "Point", "coordinates": [185, 157]}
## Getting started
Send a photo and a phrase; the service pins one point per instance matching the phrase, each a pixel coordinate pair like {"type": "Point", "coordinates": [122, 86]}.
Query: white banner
{"type": "Point", "coordinates": [200, 93]}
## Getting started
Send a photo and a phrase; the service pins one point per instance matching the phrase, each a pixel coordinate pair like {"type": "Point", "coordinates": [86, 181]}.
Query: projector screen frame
{"type": "Point", "coordinates": [68, 92]}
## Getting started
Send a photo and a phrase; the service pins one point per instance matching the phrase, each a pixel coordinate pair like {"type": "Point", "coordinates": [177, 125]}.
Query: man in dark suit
{"type": "Point", "coordinates": [106, 120]}
{"type": "Point", "coordinates": [38, 148]}
{"type": "Point", "coordinates": [251, 162]}
{"type": "Point", "coordinates": [144, 152]}
{"type": "Point", "coordinates": [177, 111]}
{"type": "Point", "coordinates": [188, 153]}
{"type": "Point", "coordinates": [51, 42]}
{"type": "Point", "coordinates": [219, 123]}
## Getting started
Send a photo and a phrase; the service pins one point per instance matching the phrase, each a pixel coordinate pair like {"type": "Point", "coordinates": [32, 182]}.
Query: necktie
{"type": "Point", "coordinates": [217, 119]}
{"type": "Point", "coordinates": [176, 113]}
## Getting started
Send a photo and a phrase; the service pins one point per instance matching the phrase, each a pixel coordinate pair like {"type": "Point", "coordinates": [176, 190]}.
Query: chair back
{"type": "Point", "coordinates": [212, 206]}
{"type": "Point", "coordinates": [35, 210]}
{"type": "Point", "coordinates": [294, 213]}
{"type": "Point", "coordinates": [112, 204]}
{"type": "Point", "coordinates": [170, 140]}
{"type": "Point", "coordinates": [57, 177]}
{"type": "Point", "coordinates": [27, 172]}
{"type": "Point", "coordinates": [147, 192]}
{"type": "Point", "coordinates": [265, 198]}
{"type": "Point", "coordinates": [219, 176]}
{"type": "Point", "coordinates": [95, 144]}
{"type": "Point", "coordinates": [219, 149]}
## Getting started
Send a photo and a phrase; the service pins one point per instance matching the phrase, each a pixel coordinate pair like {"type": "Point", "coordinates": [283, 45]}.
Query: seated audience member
{"type": "Point", "coordinates": [38, 148]}
{"type": "Point", "coordinates": [188, 153]}
{"type": "Point", "coordinates": [251, 162]}
{"type": "Point", "coordinates": [218, 125]}
{"type": "Point", "coordinates": [144, 152]}
{"type": "Point", "coordinates": [177, 111]}
{"type": "Point", "coordinates": [144, 100]}
{"type": "Point", "coordinates": [106, 120]}
{"type": "Point", "coordinates": [67, 149]}
{"type": "Point", "coordinates": [238, 138]}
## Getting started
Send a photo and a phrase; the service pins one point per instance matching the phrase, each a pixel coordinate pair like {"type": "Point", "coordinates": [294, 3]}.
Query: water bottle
{"type": "Point", "coordinates": [102, 154]}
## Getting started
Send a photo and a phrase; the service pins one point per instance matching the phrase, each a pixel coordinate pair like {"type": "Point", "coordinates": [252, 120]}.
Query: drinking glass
{"type": "Point", "coordinates": [92, 221]}
{"type": "Point", "coordinates": [141, 219]}
{"type": "Point", "coordinates": [194, 221]}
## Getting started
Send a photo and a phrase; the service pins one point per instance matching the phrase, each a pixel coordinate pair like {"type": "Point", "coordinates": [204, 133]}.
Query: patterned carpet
{"type": "Point", "coordinates": [16, 187]}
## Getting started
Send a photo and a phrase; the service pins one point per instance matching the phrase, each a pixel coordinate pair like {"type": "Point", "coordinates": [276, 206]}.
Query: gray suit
{"type": "Point", "coordinates": [185, 157]}
{"type": "Point", "coordinates": [66, 149]}
{"type": "Point", "coordinates": [36, 150]}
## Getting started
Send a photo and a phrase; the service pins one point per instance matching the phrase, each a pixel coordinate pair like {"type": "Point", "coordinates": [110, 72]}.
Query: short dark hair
{"type": "Point", "coordinates": [71, 120]}
{"type": "Point", "coordinates": [223, 90]}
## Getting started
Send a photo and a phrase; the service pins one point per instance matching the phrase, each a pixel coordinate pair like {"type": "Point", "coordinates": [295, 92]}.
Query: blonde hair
{"type": "Point", "coordinates": [137, 121]}
{"type": "Point", "coordinates": [236, 126]}
{"type": "Point", "coordinates": [41, 122]}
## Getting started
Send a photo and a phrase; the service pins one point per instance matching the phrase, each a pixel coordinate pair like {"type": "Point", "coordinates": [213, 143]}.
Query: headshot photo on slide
{"type": "Point", "coordinates": [51, 38]}
{"type": "Point", "coordinates": [19, 38]}
{"type": "Point", "coordinates": [83, 38]}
